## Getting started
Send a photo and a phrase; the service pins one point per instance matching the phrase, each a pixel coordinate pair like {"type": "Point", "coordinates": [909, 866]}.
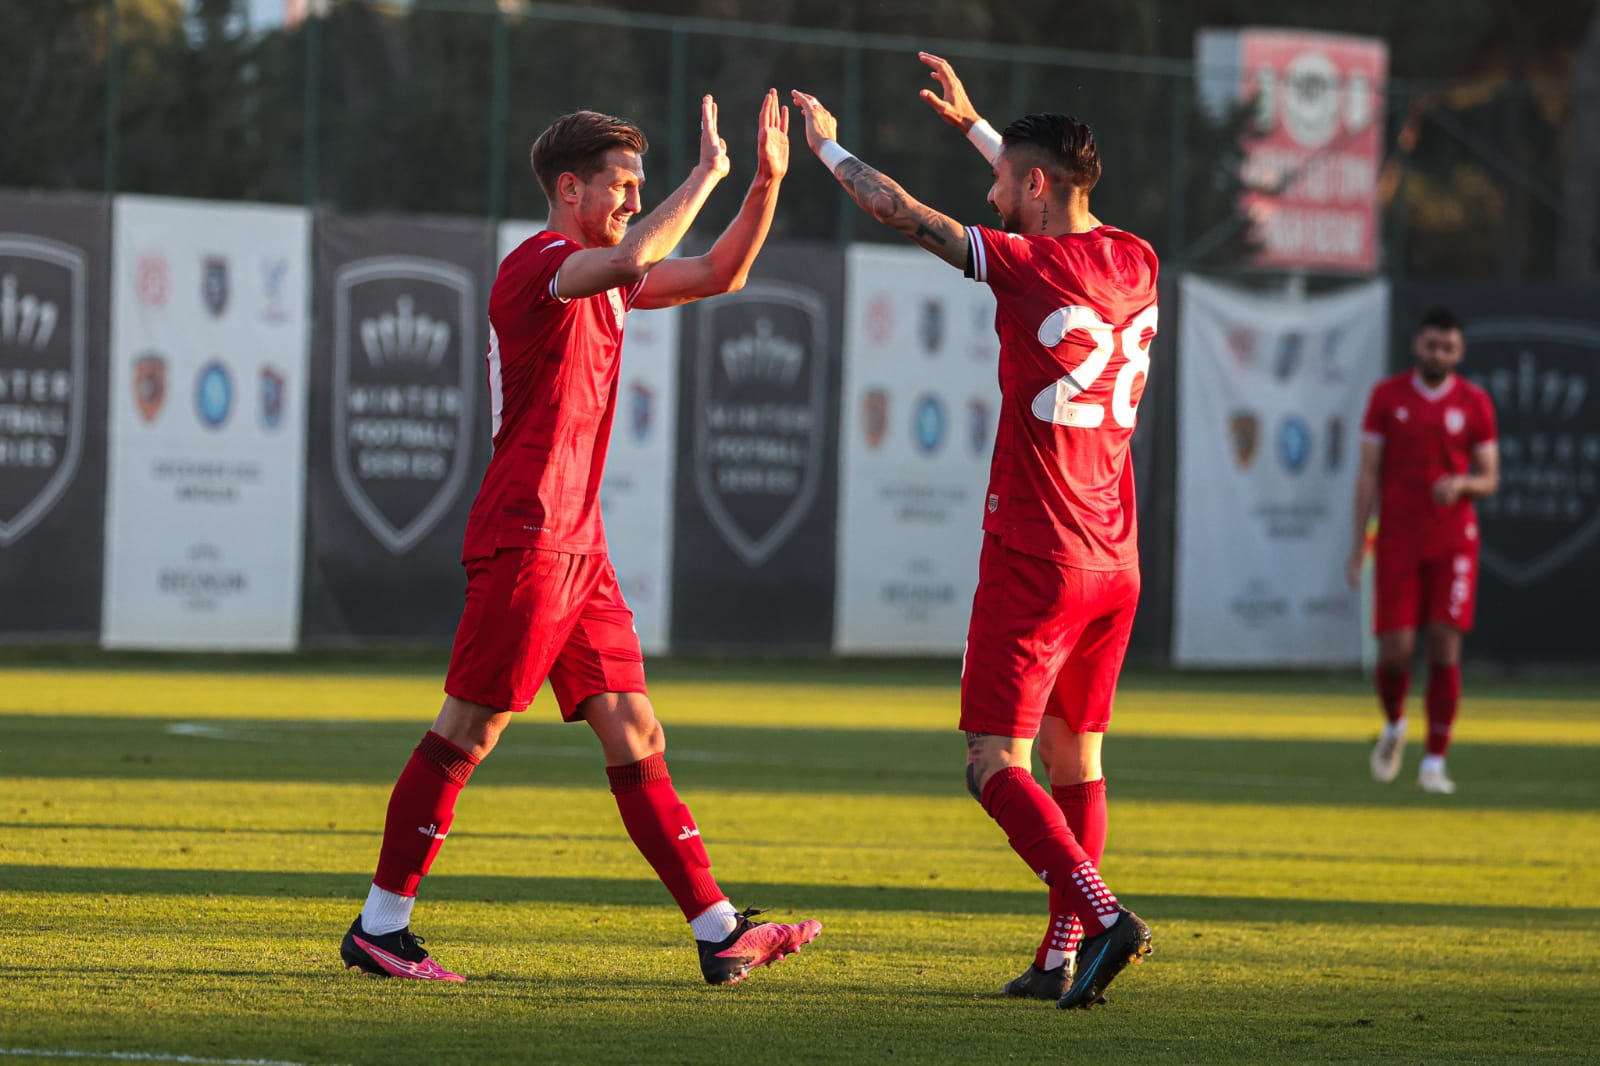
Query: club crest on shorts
{"type": "Point", "coordinates": [874, 417]}
{"type": "Point", "coordinates": [1543, 378]}
{"type": "Point", "coordinates": [405, 375]}
{"type": "Point", "coordinates": [149, 385]}
{"type": "Point", "coordinates": [214, 284]}
{"type": "Point", "coordinates": [760, 413]}
{"type": "Point", "coordinates": [43, 326]}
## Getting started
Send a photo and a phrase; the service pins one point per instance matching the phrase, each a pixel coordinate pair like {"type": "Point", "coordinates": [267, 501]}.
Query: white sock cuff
{"type": "Point", "coordinates": [715, 922]}
{"type": "Point", "coordinates": [385, 911]}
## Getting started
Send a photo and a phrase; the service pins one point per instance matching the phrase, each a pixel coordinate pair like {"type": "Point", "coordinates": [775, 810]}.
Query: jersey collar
{"type": "Point", "coordinates": [1432, 395]}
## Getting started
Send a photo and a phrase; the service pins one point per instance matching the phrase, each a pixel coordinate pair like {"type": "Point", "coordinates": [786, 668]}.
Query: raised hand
{"type": "Point", "coordinates": [953, 106]}
{"type": "Point", "coordinates": [820, 123]}
{"type": "Point", "coordinates": [772, 138]}
{"type": "Point", "coordinates": [713, 149]}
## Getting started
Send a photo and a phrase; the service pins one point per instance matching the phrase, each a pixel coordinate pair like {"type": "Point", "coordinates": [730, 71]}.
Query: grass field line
{"type": "Point", "coordinates": [139, 1056]}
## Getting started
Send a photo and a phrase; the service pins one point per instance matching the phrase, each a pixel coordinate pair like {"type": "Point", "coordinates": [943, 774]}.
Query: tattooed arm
{"type": "Point", "coordinates": [879, 195]}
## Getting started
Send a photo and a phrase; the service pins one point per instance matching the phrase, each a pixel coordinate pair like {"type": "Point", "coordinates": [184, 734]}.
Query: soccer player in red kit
{"type": "Point", "coordinates": [1428, 449]}
{"type": "Point", "coordinates": [542, 597]}
{"type": "Point", "coordinates": [1058, 577]}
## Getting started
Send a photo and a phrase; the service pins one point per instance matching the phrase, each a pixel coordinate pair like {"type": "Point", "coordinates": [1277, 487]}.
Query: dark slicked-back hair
{"type": "Point", "coordinates": [1057, 142]}
{"type": "Point", "coordinates": [1439, 318]}
{"type": "Point", "coordinates": [578, 142]}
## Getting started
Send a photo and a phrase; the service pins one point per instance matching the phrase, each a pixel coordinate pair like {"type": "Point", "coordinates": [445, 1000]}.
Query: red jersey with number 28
{"type": "Point", "coordinates": [552, 395]}
{"type": "Point", "coordinates": [1075, 315]}
{"type": "Point", "coordinates": [1426, 434]}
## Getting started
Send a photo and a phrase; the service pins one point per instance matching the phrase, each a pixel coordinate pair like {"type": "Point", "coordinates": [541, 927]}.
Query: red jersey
{"type": "Point", "coordinates": [552, 396]}
{"type": "Point", "coordinates": [1075, 315]}
{"type": "Point", "coordinates": [1426, 434]}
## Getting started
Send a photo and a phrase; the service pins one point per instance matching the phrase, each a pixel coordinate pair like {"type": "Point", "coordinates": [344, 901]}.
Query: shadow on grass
{"type": "Point", "coordinates": [819, 900]}
{"type": "Point", "coordinates": [858, 761]}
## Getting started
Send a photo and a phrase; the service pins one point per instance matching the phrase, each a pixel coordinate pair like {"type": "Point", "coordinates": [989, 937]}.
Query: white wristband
{"type": "Point", "coordinates": [984, 139]}
{"type": "Point", "coordinates": [832, 155]}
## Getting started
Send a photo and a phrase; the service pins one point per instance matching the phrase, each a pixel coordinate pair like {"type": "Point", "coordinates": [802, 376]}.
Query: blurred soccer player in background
{"type": "Point", "coordinates": [1428, 449]}
{"type": "Point", "coordinates": [1058, 577]}
{"type": "Point", "coordinates": [542, 598]}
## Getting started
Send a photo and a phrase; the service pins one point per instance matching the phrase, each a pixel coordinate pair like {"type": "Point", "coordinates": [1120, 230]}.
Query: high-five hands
{"type": "Point", "coordinates": [820, 124]}
{"type": "Point", "coordinates": [713, 149]}
{"type": "Point", "coordinates": [953, 106]}
{"type": "Point", "coordinates": [772, 138]}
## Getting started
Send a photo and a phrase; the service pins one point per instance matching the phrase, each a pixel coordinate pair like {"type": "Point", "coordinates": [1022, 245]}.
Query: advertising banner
{"type": "Point", "coordinates": [920, 399]}
{"type": "Point", "coordinates": [1536, 350]}
{"type": "Point", "coordinates": [754, 562]}
{"type": "Point", "coordinates": [636, 495]}
{"type": "Point", "coordinates": [1271, 393]}
{"type": "Point", "coordinates": [399, 424]}
{"type": "Point", "coordinates": [53, 308]}
{"type": "Point", "coordinates": [207, 425]}
{"type": "Point", "coordinates": [1312, 143]}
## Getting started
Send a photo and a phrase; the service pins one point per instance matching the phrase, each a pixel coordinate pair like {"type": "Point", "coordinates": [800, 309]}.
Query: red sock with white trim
{"type": "Point", "coordinates": [1392, 687]}
{"type": "Point", "coordinates": [1084, 807]}
{"type": "Point", "coordinates": [421, 808]}
{"type": "Point", "coordinates": [1038, 832]}
{"type": "Point", "coordinates": [1444, 699]}
{"type": "Point", "coordinates": [665, 834]}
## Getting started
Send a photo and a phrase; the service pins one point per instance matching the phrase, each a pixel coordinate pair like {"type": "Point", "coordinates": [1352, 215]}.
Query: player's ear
{"type": "Point", "coordinates": [1036, 182]}
{"type": "Point", "coordinates": [567, 186]}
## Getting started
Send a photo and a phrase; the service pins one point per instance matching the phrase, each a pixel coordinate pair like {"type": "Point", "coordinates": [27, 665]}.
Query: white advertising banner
{"type": "Point", "coordinates": [636, 495]}
{"type": "Point", "coordinates": [206, 478]}
{"type": "Point", "coordinates": [920, 398]}
{"type": "Point", "coordinates": [1271, 391]}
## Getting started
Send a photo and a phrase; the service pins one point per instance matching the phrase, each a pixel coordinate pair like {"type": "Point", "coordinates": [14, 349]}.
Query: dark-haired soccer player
{"type": "Point", "coordinates": [1058, 577]}
{"type": "Point", "coordinates": [1427, 451]}
{"type": "Point", "coordinates": [542, 598]}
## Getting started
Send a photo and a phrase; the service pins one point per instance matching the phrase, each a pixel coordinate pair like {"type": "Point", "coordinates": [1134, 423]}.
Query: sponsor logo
{"type": "Point", "coordinates": [927, 424]}
{"type": "Point", "coordinates": [1242, 348]}
{"type": "Point", "coordinates": [1291, 353]}
{"type": "Point", "coordinates": [1311, 99]}
{"type": "Point", "coordinates": [760, 413]}
{"type": "Point", "coordinates": [874, 417]}
{"type": "Point", "coordinates": [980, 425]}
{"type": "Point", "coordinates": [214, 284]}
{"type": "Point", "coordinates": [1541, 375]}
{"type": "Point", "coordinates": [150, 279]}
{"type": "Point", "coordinates": [272, 384]}
{"type": "Point", "coordinates": [1455, 420]}
{"type": "Point", "coordinates": [149, 385]}
{"type": "Point", "coordinates": [618, 312]}
{"type": "Point", "coordinates": [273, 273]}
{"type": "Point", "coordinates": [641, 410]}
{"type": "Point", "coordinates": [403, 387]}
{"type": "Point", "coordinates": [688, 831]}
{"type": "Point", "coordinates": [1294, 444]}
{"type": "Point", "coordinates": [930, 326]}
{"type": "Point", "coordinates": [879, 321]}
{"type": "Point", "coordinates": [213, 395]}
{"type": "Point", "coordinates": [43, 360]}
{"type": "Point", "coordinates": [1335, 451]}
{"type": "Point", "coordinates": [431, 830]}
{"type": "Point", "coordinates": [1243, 434]}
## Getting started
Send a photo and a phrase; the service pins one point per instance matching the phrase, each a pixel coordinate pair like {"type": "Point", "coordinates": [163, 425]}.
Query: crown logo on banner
{"type": "Point", "coordinates": [404, 337]}
{"type": "Point", "coordinates": [26, 321]}
{"type": "Point", "coordinates": [762, 355]}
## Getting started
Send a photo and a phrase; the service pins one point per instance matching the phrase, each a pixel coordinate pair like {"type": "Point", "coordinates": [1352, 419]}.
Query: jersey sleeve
{"type": "Point", "coordinates": [631, 294]}
{"type": "Point", "coordinates": [1000, 260]}
{"type": "Point", "coordinates": [528, 276]}
{"type": "Point", "coordinates": [1376, 419]}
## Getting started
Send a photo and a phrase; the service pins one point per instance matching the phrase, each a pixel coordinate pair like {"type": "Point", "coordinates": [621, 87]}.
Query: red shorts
{"type": "Point", "coordinates": [1410, 593]}
{"type": "Point", "coordinates": [533, 614]}
{"type": "Point", "coordinates": [1044, 639]}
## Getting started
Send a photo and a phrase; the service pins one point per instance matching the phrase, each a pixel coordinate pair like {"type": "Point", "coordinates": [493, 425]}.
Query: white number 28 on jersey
{"type": "Point", "coordinates": [1059, 402]}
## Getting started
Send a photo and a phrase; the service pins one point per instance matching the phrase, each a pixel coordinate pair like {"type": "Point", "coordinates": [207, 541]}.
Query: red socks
{"type": "Point", "coordinates": [1084, 807]}
{"type": "Point", "coordinates": [664, 832]}
{"type": "Point", "coordinates": [1444, 697]}
{"type": "Point", "coordinates": [1038, 832]}
{"type": "Point", "coordinates": [421, 808]}
{"type": "Point", "coordinates": [1392, 686]}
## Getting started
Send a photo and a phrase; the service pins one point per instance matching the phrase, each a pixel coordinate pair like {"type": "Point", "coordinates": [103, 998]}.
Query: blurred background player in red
{"type": "Point", "coordinates": [542, 597]}
{"type": "Point", "coordinates": [1058, 576]}
{"type": "Point", "coordinates": [1427, 451]}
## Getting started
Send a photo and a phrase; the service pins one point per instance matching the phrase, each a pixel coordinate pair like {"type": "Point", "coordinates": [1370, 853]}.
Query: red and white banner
{"type": "Point", "coordinates": [1313, 142]}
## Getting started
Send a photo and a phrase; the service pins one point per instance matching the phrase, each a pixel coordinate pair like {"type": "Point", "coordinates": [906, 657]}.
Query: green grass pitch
{"type": "Point", "coordinates": [181, 849]}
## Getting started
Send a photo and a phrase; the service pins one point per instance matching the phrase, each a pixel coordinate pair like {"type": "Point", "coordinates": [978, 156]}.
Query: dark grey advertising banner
{"type": "Point", "coordinates": [54, 252]}
{"type": "Point", "coordinates": [1155, 461]}
{"type": "Point", "coordinates": [1536, 349]}
{"type": "Point", "coordinates": [399, 425]}
{"type": "Point", "coordinates": [758, 441]}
